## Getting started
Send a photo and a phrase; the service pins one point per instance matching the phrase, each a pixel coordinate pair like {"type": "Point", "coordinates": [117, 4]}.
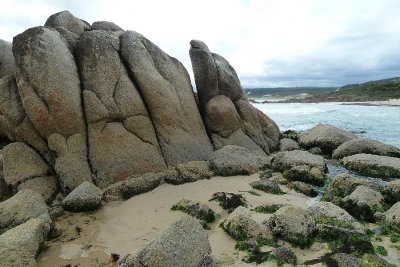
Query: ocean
{"type": "Point", "coordinates": [381, 123]}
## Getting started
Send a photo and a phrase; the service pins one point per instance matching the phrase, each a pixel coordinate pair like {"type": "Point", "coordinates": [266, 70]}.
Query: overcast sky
{"type": "Point", "coordinates": [269, 42]}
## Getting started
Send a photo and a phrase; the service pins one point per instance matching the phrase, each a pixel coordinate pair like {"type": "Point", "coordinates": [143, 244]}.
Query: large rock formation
{"type": "Point", "coordinates": [229, 117]}
{"type": "Point", "coordinates": [95, 103]}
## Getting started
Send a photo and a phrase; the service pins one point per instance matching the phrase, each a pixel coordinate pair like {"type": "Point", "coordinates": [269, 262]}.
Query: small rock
{"type": "Point", "coordinates": [195, 209]}
{"type": "Point", "coordinates": [303, 188]}
{"type": "Point", "coordinates": [20, 245]}
{"type": "Point", "coordinates": [234, 160]}
{"type": "Point", "coordinates": [139, 184]}
{"type": "Point", "coordinates": [21, 163]}
{"type": "Point", "coordinates": [44, 185]}
{"type": "Point", "coordinates": [291, 134]}
{"type": "Point", "coordinates": [106, 26]}
{"type": "Point", "coordinates": [363, 202]}
{"type": "Point", "coordinates": [286, 160]}
{"type": "Point", "coordinates": [306, 174]}
{"type": "Point", "coordinates": [85, 197]}
{"type": "Point", "coordinates": [285, 255]}
{"type": "Point", "coordinates": [192, 171]}
{"type": "Point", "coordinates": [373, 165]}
{"type": "Point", "coordinates": [23, 206]}
{"type": "Point", "coordinates": [326, 137]}
{"type": "Point", "coordinates": [293, 224]}
{"type": "Point", "coordinates": [184, 243]}
{"type": "Point", "coordinates": [287, 144]}
{"type": "Point", "coordinates": [266, 185]}
{"type": "Point", "coordinates": [241, 226]}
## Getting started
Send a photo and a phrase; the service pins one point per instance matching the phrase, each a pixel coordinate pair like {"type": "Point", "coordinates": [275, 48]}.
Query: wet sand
{"type": "Point", "coordinates": [88, 239]}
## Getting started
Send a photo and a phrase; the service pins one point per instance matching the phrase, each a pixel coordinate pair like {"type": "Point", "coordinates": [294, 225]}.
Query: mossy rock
{"type": "Point", "coordinates": [306, 174]}
{"type": "Point", "coordinates": [195, 209]}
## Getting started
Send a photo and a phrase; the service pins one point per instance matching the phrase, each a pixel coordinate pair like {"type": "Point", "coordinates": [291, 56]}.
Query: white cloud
{"type": "Point", "coordinates": [263, 39]}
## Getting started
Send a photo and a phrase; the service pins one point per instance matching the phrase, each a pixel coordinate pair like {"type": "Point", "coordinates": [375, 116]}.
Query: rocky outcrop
{"type": "Point", "coordinates": [326, 137]}
{"type": "Point", "coordinates": [100, 104]}
{"type": "Point", "coordinates": [23, 206]}
{"type": "Point", "coordinates": [303, 188]}
{"type": "Point", "coordinates": [121, 138]}
{"type": "Point", "coordinates": [85, 197]}
{"type": "Point", "coordinates": [373, 165]}
{"type": "Point", "coordinates": [267, 185]}
{"type": "Point", "coordinates": [184, 243]}
{"type": "Point", "coordinates": [167, 93]}
{"type": "Point", "coordinates": [229, 117]}
{"type": "Point", "coordinates": [20, 245]}
{"type": "Point", "coordinates": [7, 62]}
{"type": "Point", "coordinates": [366, 146]}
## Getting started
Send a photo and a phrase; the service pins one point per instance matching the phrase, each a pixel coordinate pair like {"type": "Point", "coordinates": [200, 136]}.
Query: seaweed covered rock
{"type": "Point", "coordinates": [241, 226]}
{"type": "Point", "coordinates": [391, 192]}
{"type": "Point", "coordinates": [235, 160]}
{"type": "Point", "coordinates": [307, 174]}
{"type": "Point", "coordinates": [363, 202]}
{"type": "Point", "coordinates": [345, 260]}
{"type": "Point", "coordinates": [267, 185]}
{"type": "Point", "coordinates": [303, 188]}
{"type": "Point", "coordinates": [229, 117]}
{"type": "Point", "coordinates": [329, 213]}
{"type": "Point", "coordinates": [366, 146]}
{"type": "Point", "coordinates": [287, 144]}
{"type": "Point", "coordinates": [326, 137]}
{"type": "Point", "coordinates": [391, 217]}
{"type": "Point", "coordinates": [373, 165]}
{"type": "Point", "coordinates": [20, 245]}
{"type": "Point", "coordinates": [286, 160]}
{"type": "Point", "coordinates": [294, 225]}
{"type": "Point", "coordinates": [184, 243]}
{"type": "Point", "coordinates": [85, 197]}
{"type": "Point", "coordinates": [23, 206]}
{"type": "Point", "coordinates": [196, 209]}
{"type": "Point", "coordinates": [343, 184]}
{"type": "Point", "coordinates": [284, 254]}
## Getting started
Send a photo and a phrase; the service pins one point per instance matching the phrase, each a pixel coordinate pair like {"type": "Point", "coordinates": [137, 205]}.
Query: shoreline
{"type": "Point", "coordinates": [390, 102]}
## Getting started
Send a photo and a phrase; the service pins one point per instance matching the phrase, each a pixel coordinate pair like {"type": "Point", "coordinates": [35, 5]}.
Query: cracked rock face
{"type": "Point", "coordinates": [230, 118]}
{"type": "Point", "coordinates": [100, 104]}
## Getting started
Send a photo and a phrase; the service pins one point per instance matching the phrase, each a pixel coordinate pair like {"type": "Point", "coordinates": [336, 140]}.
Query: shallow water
{"type": "Point", "coordinates": [376, 122]}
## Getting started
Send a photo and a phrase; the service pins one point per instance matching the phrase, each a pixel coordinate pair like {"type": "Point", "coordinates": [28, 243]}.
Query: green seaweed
{"type": "Point", "coordinates": [268, 209]}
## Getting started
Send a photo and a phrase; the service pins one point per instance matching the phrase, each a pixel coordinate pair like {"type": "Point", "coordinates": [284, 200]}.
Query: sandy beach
{"type": "Point", "coordinates": [121, 227]}
{"type": "Point", "coordinates": [88, 239]}
{"type": "Point", "coordinates": [390, 102]}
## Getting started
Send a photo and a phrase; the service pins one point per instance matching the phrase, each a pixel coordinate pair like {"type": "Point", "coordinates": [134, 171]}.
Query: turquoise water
{"type": "Point", "coordinates": [376, 122]}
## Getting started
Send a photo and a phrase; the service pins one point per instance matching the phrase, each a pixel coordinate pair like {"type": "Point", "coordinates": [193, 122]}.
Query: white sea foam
{"type": "Point", "coordinates": [377, 122]}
